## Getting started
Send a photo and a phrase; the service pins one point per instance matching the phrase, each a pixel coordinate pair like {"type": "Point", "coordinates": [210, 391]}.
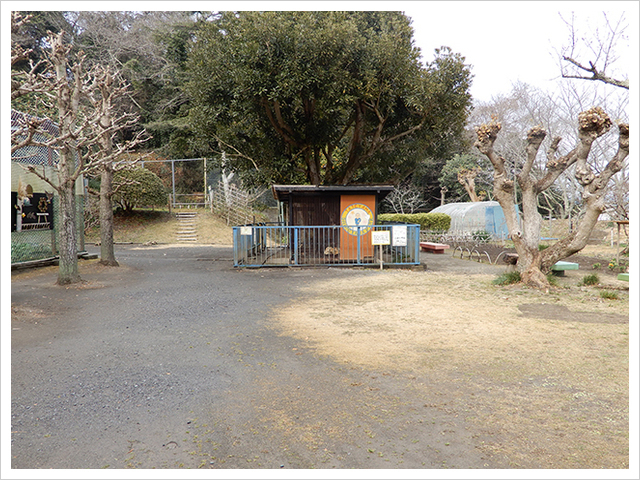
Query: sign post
{"type": "Point", "coordinates": [381, 237]}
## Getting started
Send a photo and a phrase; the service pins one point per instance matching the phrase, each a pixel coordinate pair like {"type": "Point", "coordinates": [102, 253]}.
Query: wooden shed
{"type": "Point", "coordinates": [324, 205]}
{"type": "Point", "coordinates": [353, 207]}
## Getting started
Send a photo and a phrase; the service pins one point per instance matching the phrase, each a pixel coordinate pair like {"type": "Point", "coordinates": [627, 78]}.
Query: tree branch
{"type": "Point", "coordinates": [595, 74]}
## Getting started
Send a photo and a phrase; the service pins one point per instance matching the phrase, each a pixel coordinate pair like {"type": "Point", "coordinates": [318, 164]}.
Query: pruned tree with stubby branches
{"type": "Point", "coordinates": [87, 123]}
{"type": "Point", "coordinates": [534, 264]}
{"type": "Point", "coordinates": [108, 87]}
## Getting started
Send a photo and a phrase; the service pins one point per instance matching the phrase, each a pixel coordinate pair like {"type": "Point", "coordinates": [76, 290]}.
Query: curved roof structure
{"type": "Point", "coordinates": [470, 217]}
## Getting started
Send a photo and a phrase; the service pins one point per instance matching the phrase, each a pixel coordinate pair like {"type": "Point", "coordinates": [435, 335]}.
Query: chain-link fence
{"type": "Point", "coordinates": [38, 241]}
{"type": "Point", "coordinates": [232, 204]}
{"type": "Point", "coordinates": [35, 212]}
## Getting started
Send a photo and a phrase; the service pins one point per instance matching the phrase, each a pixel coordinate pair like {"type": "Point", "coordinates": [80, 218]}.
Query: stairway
{"type": "Point", "coordinates": [186, 227]}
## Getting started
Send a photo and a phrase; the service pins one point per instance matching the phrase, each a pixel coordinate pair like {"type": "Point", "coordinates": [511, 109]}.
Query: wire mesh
{"type": "Point", "coordinates": [37, 241]}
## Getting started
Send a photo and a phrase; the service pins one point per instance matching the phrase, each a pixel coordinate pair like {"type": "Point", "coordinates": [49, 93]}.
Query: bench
{"type": "Point", "coordinates": [623, 276]}
{"type": "Point", "coordinates": [559, 267]}
{"type": "Point", "coordinates": [433, 247]}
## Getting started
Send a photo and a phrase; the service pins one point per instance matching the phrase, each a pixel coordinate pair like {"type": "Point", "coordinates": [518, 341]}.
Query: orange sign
{"type": "Point", "coordinates": [357, 217]}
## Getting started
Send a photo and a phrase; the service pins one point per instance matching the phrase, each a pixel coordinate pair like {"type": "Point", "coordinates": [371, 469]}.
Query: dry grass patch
{"type": "Point", "coordinates": [161, 227]}
{"type": "Point", "coordinates": [555, 386]}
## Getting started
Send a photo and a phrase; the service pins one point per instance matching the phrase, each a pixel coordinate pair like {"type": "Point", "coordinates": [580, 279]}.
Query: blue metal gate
{"type": "Point", "coordinates": [267, 245]}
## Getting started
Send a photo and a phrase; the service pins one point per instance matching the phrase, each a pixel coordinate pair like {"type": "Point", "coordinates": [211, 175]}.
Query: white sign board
{"type": "Point", "coordinates": [381, 237]}
{"type": "Point", "coordinates": [399, 235]}
{"type": "Point", "coordinates": [245, 230]}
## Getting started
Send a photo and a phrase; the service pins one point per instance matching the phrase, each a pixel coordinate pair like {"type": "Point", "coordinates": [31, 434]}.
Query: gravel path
{"type": "Point", "coordinates": [170, 361]}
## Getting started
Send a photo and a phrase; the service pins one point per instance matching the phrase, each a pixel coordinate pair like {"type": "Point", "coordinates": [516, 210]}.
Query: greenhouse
{"type": "Point", "coordinates": [472, 217]}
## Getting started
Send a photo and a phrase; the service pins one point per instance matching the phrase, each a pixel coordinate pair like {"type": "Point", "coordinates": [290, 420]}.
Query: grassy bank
{"type": "Point", "coordinates": [160, 226]}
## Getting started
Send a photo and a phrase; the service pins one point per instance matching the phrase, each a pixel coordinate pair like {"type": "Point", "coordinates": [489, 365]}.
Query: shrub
{"type": "Point", "coordinates": [596, 266]}
{"type": "Point", "coordinates": [138, 187]}
{"type": "Point", "coordinates": [507, 278]}
{"type": "Point", "coordinates": [592, 279]}
{"type": "Point", "coordinates": [608, 295]}
{"type": "Point", "coordinates": [427, 221]}
{"type": "Point", "coordinates": [542, 247]}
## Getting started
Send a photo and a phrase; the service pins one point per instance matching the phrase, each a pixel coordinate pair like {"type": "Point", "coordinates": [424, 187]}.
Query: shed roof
{"type": "Point", "coordinates": [282, 192]}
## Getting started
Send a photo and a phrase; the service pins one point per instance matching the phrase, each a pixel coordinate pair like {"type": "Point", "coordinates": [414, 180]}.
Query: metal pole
{"type": "Point", "coordinates": [205, 182]}
{"type": "Point", "coordinates": [618, 246]}
{"type": "Point", "coordinates": [173, 181]}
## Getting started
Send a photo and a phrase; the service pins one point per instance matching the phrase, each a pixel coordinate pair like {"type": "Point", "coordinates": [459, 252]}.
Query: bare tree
{"type": "Point", "coordinates": [81, 142]}
{"type": "Point", "coordinates": [592, 124]}
{"type": "Point", "coordinates": [591, 57]}
{"type": "Point", "coordinates": [467, 178]}
{"type": "Point", "coordinates": [106, 89]}
{"type": "Point", "coordinates": [405, 199]}
{"type": "Point", "coordinates": [23, 81]}
{"type": "Point", "coordinates": [556, 112]}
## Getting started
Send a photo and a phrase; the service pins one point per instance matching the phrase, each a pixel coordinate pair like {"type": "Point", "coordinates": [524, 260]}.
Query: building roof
{"type": "Point", "coordinates": [282, 192]}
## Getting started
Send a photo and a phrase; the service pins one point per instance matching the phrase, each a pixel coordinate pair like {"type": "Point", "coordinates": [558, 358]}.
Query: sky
{"type": "Point", "coordinates": [507, 42]}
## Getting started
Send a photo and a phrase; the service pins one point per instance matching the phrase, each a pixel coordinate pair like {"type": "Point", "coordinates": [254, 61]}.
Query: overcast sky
{"type": "Point", "coordinates": [506, 42]}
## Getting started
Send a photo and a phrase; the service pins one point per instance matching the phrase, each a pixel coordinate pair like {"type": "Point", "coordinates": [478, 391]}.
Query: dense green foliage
{"type": "Point", "coordinates": [439, 222]}
{"type": "Point", "coordinates": [322, 97]}
{"type": "Point", "coordinates": [138, 187]}
{"type": "Point", "coordinates": [291, 97]}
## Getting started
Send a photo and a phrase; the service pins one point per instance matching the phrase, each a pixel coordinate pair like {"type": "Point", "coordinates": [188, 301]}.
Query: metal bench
{"type": "Point", "coordinates": [433, 247]}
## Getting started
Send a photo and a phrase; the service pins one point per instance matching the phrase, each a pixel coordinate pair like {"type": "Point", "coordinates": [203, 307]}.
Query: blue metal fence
{"type": "Point", "coordinates": [269, 245]}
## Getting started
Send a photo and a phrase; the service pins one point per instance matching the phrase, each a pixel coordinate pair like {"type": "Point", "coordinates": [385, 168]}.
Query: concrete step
{"type": "Point", "coordinates": [187, 227]}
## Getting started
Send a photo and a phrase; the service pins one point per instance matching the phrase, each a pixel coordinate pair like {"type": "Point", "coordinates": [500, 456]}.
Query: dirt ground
{"type": "Point", "coordinates": [543, 377]}
{"type": "Point", "coordinates": [546, 372]}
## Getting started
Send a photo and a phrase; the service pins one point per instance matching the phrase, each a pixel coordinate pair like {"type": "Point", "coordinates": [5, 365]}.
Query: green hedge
{"type": "Point", "coordinates": [427, 221]}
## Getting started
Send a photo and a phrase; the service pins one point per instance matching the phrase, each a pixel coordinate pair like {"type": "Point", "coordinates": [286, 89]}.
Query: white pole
{"type": "Point", "coordinates": [205, 182]}
{"type": "Point", "coordinates": [173, 181]}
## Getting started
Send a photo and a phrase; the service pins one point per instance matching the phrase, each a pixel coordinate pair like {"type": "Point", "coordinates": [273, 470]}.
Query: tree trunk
{"type": "Point", "coordinates": [443, 190]}
{"type": "Point", "coordinates": [313, 166]}
{"type": "Point", "coordinates": [529, 255]}
{"type": "Point", "coordinates": [68, 98]}
{"type": "Point", "coordinates": [67, 242]}
{"type": "Point", "coordinates": [107, 252]}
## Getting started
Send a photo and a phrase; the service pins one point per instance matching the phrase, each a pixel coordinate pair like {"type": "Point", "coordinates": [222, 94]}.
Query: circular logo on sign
{"type": "Point", "coordinates": [356, 215]}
